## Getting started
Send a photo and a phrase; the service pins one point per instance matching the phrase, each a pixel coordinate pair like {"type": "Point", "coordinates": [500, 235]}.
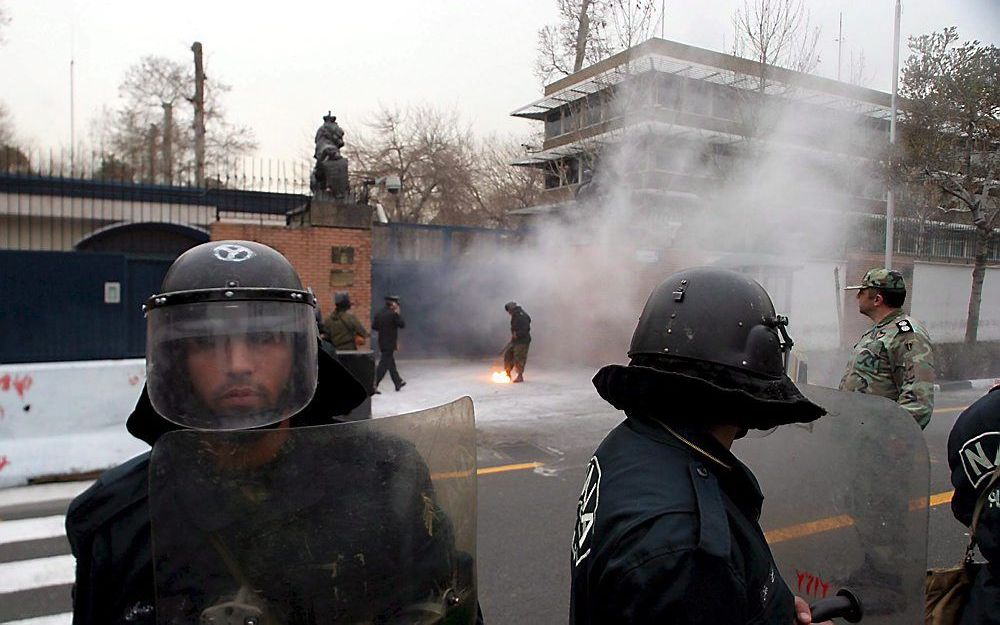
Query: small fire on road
{"type": "Point", "coordinates": [500, 377]}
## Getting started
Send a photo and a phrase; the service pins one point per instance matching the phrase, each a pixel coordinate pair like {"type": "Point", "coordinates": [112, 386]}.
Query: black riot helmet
{"type": "Point", "coordinates": [708, 348]}
{"type": "Point", "coordinates": [713, 315]}
{"type": "Point", "coordinates": [231, 339]}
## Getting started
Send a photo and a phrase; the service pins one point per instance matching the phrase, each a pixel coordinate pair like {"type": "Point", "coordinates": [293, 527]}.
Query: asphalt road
{"type": "Point", "coordinates": [526, 517]}
{"type": "Point", "coordinates": [527, 498]}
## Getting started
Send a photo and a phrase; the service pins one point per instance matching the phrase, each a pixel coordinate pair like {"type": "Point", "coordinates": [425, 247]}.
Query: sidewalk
{"type": "Point", "coordinates": [959, 385]}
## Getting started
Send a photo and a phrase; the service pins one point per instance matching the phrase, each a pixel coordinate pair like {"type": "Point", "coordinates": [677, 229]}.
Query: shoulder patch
{"type": "Point", "coordinates": [904, 326]}
{"type": "Point", "coordinates": [586, 512]}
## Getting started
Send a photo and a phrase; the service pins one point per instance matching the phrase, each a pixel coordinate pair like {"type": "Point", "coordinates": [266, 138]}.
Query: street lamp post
{"type": "Point", "coordinates": [890, 204]}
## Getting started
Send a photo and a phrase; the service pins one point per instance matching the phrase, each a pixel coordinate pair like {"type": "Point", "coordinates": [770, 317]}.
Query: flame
{"type": "Point", "coordinates": [500, 377]}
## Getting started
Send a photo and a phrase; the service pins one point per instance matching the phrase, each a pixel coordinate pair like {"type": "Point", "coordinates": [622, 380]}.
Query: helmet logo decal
{"type": "Point", "coordinates": [233, 253]}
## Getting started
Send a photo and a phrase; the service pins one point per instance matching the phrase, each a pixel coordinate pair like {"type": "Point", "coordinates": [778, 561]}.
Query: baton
{"type": "Point", "coordinates": [845, 605]}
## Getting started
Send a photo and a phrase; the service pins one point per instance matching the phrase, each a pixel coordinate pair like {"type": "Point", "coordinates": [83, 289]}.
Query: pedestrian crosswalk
{"type": "Point", "coordinates": [36, 567]}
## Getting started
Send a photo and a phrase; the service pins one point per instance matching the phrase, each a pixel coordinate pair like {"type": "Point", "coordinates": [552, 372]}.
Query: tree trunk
{"type": "Point", "coordinates": [582, 33]}
{"type": "Point", "coordinates": [978, 274]}
{"type": "Point", "coordinates": [199, 116]}
{"type": "Point", "coordinates": [168, 144]}
{"type": "Point", "coordinates": [151, 153]}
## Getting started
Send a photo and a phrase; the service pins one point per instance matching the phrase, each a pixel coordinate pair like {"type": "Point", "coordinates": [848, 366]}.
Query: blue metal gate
{"type": "Point", "coordinates": [60, 306]}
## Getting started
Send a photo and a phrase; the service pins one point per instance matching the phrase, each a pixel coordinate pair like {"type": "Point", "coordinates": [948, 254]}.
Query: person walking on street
{"type": "Point", "coordinates": [342, 328]}
{"type": "Point", "coordinates": [667, 524]}
{"type": "Point", "coordinates": [388, 322]}
{"type": "Point", "coordinates": [894, 357]}
{"type": "Point", "coordinates": [515, 355]}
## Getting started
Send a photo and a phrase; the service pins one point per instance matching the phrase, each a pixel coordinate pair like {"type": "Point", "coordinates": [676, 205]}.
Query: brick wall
{"type": "Point", "coordinates": [309, 251]}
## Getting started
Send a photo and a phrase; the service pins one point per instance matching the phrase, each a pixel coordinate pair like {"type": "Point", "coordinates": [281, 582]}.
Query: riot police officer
{"type": "Point", "coordinates": [973, 449]}
{"type": "Point", "coordinates": [667, 522]}
{"type": "Point", "coordinates": [232, 345]}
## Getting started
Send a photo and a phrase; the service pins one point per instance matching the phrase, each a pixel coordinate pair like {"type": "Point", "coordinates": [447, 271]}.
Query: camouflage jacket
{"type": "Point", "coordinates": [894, 359]}
{"type": "Point", "coordinates": [341, 329]}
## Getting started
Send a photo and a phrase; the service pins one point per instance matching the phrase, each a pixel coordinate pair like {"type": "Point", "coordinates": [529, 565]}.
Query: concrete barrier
{"type": "Point", "coordinates": [66, 417]}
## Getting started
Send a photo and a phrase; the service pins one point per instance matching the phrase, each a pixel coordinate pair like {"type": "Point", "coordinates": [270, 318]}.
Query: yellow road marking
{"type": "Point", "coordinates": [451, 475]}
{"type": "Point", "coordinates": [802, 530]}
{"type": "Point", "coordinates": [524, 466]}
{"type": "Point", "coordinates": [951, 409]}
{"type": "Point", "coordinates": [941, 498]}
{"type": "Point", "coordinates": [828, 524]}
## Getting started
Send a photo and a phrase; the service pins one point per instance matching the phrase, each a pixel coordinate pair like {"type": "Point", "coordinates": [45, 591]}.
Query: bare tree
{"type": "Point", "coordinates": [426, 148]}
{"type": "Point", "coordinates": [4, 20]}
{"type": "Point", "coordinates": [775, 33]}
{"type": "Point", "coordinates": [499, 187]}
{"type": "Point", "coordinates": [6, 126]}
{"type": "Point", "coordinates": [151, 93]}
{"type": "Point", "coordinates": [447, 175]}
{"type": "Point", "coordinates": [588, 31]}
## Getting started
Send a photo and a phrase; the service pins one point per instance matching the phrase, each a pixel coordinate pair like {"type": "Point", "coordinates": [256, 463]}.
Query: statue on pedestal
{"type": "Point", "coordinates": [330, 174]}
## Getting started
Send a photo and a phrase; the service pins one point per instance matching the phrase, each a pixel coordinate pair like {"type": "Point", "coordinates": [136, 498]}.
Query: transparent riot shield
{"type": "Point", "coordinates": [846, 503]}
{"type": "Point", "coordinates": [363, 522]}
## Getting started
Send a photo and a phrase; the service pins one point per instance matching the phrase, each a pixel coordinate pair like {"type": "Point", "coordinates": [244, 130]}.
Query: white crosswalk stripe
{"type": "Point", "coordinates": [36, 573]}
{"type": "Point", "coordinates": [36, 567]}
{"type": "Point", "coordinates": [32, 529]}
{"type": "Point", "coordinates": [56, 619]}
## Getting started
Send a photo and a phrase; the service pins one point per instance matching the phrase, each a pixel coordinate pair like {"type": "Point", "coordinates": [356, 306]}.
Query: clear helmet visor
{"type": "Point", "coordinates": [231, 365]}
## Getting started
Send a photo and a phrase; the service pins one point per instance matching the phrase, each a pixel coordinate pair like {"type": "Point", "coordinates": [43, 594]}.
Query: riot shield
{"type": "Point", "coordinates": [846, 503]}
{"type": "Point", "coordinates": [361, 522]}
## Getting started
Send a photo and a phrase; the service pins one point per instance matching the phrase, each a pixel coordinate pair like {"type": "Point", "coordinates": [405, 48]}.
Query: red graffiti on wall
{"type": "Point", "coordinates": [134, 379]}
{"type": "Point", "coordinates": [20, 383]}
{"type": "Point", "coordinates": [3, 462]}
{"type": "Point", "coordinates": [811, 584]}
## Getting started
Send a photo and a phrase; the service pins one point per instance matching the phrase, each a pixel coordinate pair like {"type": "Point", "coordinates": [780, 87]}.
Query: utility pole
{"type": "Point", "coordinates": [72, 103]}
{"type": "Point", "coordinates": [199, 116]}
{"type": "Point", "coordinates": [151, 152]}
{"type": "Point", "coordinates": [890, 200]}
{"type": "Point", "coordinates": [168, 143]}
{"type": "Point", "coordinates": [72, 122]}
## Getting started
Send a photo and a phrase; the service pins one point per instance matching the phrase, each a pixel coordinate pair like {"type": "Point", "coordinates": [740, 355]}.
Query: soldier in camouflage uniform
{"type": "Point", "coordinates": [894, 357]}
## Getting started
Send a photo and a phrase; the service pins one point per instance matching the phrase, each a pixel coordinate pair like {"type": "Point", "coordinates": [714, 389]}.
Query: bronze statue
{"type": "Point", "coordinates": [330, 173]}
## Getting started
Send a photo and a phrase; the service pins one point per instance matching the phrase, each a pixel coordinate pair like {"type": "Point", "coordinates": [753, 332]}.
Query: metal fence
{"type": "Point", "coordinates": [924, 240]}
{"type": "Point", "coordinates": [55, 202]}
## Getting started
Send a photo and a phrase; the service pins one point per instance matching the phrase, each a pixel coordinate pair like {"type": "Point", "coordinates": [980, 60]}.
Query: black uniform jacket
{"type": "Point", "coordinates": [387, 323]}
{"type": "Point", "coordinates": [667, 534]}
{"type": "Point", "coordinates": [520, 326]}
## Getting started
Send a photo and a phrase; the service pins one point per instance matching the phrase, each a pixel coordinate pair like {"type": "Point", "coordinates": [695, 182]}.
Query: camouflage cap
{"type": "Point", "coordinates": [880, 278]}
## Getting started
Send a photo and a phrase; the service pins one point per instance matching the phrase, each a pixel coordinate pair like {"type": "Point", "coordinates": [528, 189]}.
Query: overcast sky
{"type": "Point", "coordinates": [289, 62]}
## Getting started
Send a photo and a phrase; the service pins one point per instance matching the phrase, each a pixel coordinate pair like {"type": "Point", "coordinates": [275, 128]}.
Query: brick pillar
{"type": "Point", "coordinates": [311, 252]}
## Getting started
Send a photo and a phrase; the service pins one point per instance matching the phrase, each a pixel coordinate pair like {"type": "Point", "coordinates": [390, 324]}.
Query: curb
{"type": "Point", "coordinates": [959, 385]}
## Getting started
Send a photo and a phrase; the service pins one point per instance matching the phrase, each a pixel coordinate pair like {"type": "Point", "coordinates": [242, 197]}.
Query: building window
{"type": "Point", "coordinates": [341, 277]}
{"type": "Point", "coordinates": [342, 255]}
{"type": "Point", "coordinates": [670, 92]}
{"type": "Point", "coordinates": [553, 124]}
